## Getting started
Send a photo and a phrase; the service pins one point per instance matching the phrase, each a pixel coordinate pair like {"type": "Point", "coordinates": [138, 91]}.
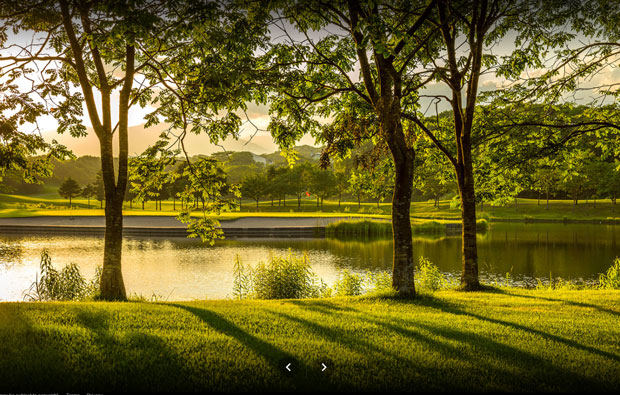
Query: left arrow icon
{"type": "Point", "coordinates": [288, 367]}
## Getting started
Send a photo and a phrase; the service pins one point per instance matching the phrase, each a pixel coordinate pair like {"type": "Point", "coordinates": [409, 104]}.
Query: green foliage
{"type": "Point", "coordinates": [69, 189]}
{"type": "Point", "coordinates": [349, 283]}
{"type": "Point", "coordinates": [482, 225]}
{"type": "Point", "coordinates": [557, 284]}
{"type": "Point", "coordinates": [242, 283]}
{"type": "Point", "coordinates": [431, 227]}
{"type": "Point", "coordinates": [287, 277]}
{"type": "Point", "coordinates": [428, 277]}
{"type": "Point", "coordinates": [379, 281]}
{"type": "Point", "coordinates": [359, 228]}
{"type": "Point", "coordinates": [66, 284]}
{"type": "Point", "coordinates": [254, 186]}
{"type": "Point", "coordinates": [611, 278]}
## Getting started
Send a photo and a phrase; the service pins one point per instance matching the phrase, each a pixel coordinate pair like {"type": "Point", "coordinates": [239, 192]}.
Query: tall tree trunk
{"type": "Point", "coordinates": [465, 177]}
{"type": "Point", "coordinates": [112, 284]}
{"type": "Point", "coordinates": [402, 264]}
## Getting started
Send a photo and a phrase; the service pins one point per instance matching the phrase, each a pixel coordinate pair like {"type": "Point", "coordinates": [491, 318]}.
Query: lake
{"type": "Point", "coordinates": [185, 269]}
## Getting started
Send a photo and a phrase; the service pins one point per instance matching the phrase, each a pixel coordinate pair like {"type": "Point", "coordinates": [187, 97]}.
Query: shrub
{"type": "Point", "coordinates": [455, 203]}
{"type": "Point", "coordinates": [557, 284]}
{"type": "Point", "coordinates": [349, 284]}
{"type": "Point", "coordinates": [429, 227]}
{"type": "Point", "coordinates": [379, 281]}
{"type": "Point", "coordinates": [66, 284]}
{"type": "Point", "coordinates": [484, 216]}
{"type": "Point", "coordinates": [482, 225]}
{"type": "Point", "coordinates": [359, 228]}
{"type": "Point", "coordinates": [611, 278]}
{"type": "Point", "coordinates": [242, 284]}
{"type": "Point", "coordinates": [288, 277]}
{"type": "Point", "coordinates": [429, 277]}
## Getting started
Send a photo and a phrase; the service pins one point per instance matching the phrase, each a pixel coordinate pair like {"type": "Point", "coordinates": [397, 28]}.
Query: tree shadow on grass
{"type": "Point", "coordinates": [83, 354]}
{"type": "Point", "coordinates": [452, 309]}
{"type": "Point", "coordinates": [569, 302]}
{"type": "Point", "coordinates": [274, 356]}
{"type": "Point", "coordinates": [494, 362]}
{"type": "Point", "coordinates": [321, 306]}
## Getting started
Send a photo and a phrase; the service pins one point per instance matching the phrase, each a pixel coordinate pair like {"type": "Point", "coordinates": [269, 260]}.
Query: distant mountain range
{"type": "Point", "coordinates": [140, 138]}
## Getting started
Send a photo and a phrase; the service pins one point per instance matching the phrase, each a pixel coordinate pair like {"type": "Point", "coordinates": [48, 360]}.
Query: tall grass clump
{"type": "Point", "coordinates": [359, 228]}
{"type": "Point", "coordinates": [484, 216]}
{"type": "Point", "coordinates": [379, 281]}
{"type": "Point", "coordinates": [432, 227]}
{"type": "Point", "coordinates": [66, 284]}
{"type": "Point", "coordinates": [482, 225]}
{"type": "Point", "coordinates": [281, 277]}
{"type": "Point", "coordinates": [611, 278]}
{"type": "Point", "coordinates": [242, 283]}
{"type": "Point", "coordinates": [429, 277]}
{"type": "Point", "coordinates": [349, 284]}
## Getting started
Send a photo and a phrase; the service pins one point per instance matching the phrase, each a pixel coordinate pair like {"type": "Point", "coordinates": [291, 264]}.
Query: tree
{"type": "Point", "coordinates": [82, 39]}
{"type": "Point", "coordinates": [574, 179]}
{"type": "Point", "coordinates": [178, 185]}
{"type": "Point", "coordinates": [359, 183]}
{"type": "Point", "coordinates": [69, 190]}
{"type": "Point", "coordinates": [341, 175]}
{"type": "Point", "coordinates": [546, 180]}
{"type": "Point", "coordinates": [100, 194]}
{"type": "Point", "coordinates": [322, 183]}
{"type": "Point", "coordinates": [105, 47]}
{"type": "Point", "coordinates": [254, 186]}
{"type": "Point", "coordinates": [89, 191]}
{"type": "Point", "coordinates": [297, 181]}
{"type": "Point", "coordinates": [312, 78]}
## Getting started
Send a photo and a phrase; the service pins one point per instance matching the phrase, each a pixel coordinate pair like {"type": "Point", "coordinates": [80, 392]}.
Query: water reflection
{"type": "Point", "coordinates": [181, 269]}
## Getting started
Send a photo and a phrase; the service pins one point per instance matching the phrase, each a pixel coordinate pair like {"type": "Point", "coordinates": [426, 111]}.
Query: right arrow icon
{"type": "Point", "coordinates": [324, 367]}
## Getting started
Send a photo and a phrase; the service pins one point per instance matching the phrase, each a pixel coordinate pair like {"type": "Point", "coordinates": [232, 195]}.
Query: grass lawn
{"type": "Point", "coordinates": [49, 204]}
{"type": "Point", "coordinates": [500, 340]}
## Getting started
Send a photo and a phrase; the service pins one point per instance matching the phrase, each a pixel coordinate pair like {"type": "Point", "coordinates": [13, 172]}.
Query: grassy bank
{"type": "Point", "coordinates": [525, 209]}
{"type": "Point", "coordinates": [369, 228]}
{"type": "Point", "coordinates": [503, 340]}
